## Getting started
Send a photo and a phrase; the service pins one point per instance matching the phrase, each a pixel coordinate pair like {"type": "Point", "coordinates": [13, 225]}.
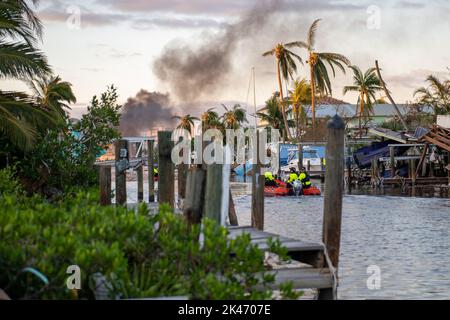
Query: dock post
{"type": "Point", "coordinates": [412, 165]}
{"type": "Point", "coordinates": [213, 193]}
{"type": "Point", "coordinates": [140, 174]}
{"type": "Point", "coordinates": [122, 163]}
{"type": "Point", "coordinates": [232, 212]}
{"type": "Point", "coordinates": [392, 156]}
{"type": "Point", "coordinates": [195, 195]}
{"type": "Point", "coordinates": [349, 175]}
{"type": "Point", "coordinates": [166, 179]}
{"type": "Point", "coordinates": [334, 185]}
{"type": "Point", "coordinates": [151, 166]}
{"type": "Point", "coordinates": [300, 156]}
{"type": "Point", "coordinates": [105, 185]}
{"type": "Point", "coordinates": [258, 182]}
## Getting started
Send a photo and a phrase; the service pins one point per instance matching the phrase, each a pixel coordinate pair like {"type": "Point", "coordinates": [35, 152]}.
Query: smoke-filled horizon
{"type": "Point", "coordinates": [194, 72]}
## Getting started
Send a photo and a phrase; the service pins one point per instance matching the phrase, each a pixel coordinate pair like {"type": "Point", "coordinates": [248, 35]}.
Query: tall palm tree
{"type": "Point", "coordinates": [186, 122]}
{"type": "Point", "coordinates": [367, 85]}
{"type": "Point", "coordinates": [286, 67]}
{"type": "Point", "coordinates": [437, 95]}
{"type": "Point", "coordinates": [233, 118]}
{"type": "Point", "coordinates": [318, 62]}
{"type": "Point", "coordinates": [20, 30]}
{"type": "Point", "coordinates": [53, 95]}
{"type": "Point", "coordinates": [299, 97]}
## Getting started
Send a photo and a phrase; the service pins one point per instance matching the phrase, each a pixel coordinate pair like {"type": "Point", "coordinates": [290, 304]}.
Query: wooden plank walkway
{"type": "Point", "coordinates": [310, 272]}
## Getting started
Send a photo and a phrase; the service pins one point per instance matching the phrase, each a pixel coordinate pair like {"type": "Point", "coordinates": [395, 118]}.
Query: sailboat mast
{"type": "Point", "coordinates": [254, 97]}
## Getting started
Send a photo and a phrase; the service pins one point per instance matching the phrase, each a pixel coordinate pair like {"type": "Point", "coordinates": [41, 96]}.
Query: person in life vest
{"type": "Point", "coordinates": [293, 176]}
{"type": "Point", "coordinates": [305, 178]}
{"type": "Point", "coordinates": [269, 179]}
{"type": "Point", "coordinates": [155, 172]}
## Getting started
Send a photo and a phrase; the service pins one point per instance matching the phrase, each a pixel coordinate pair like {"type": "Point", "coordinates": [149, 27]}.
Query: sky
{"type": "Point", "coordinates": [128, 43]}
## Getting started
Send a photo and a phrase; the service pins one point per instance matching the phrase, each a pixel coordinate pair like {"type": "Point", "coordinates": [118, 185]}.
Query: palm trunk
{"type": "Point", "coordinates": [283, 109]}
{"type": "Point", "coordinates": [313, 100]}
{"type": "Point", "coordinates": [361, 111]}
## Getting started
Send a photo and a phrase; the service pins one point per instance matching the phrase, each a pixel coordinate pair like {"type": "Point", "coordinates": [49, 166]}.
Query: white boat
{"type": "Point", "coordinates": [311, 158]}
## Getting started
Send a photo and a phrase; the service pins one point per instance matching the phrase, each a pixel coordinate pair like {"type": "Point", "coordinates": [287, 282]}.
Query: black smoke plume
{"type": "Point", "coordinates": [194, 72]}
{"type": "Point", "coordinates": [146, 111]}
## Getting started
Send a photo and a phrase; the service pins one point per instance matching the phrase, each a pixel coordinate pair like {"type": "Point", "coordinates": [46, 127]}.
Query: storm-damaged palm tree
{"type": "Point", "coordinates": [436, 95]}
{"type": "Point", "coordinates": [234, 118]}
{"type": "Point", "coordinates": [186, 123]}
{"type": "Point", "coordinates": [20, 31]}
{"type": "Point", "coordinates": [318, 62]}
{"type": "Point", "coordinates": [366, 85]}
{"type": "Point", "coordinates": [286, 67]}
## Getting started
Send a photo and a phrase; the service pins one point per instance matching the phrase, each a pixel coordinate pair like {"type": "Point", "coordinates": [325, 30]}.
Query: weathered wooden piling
{"type": "Point", "coordinates": [151, 166]}
{"type": "Point", "coordinates": [392, 161]}
{"type": "Point", "coordinates": [213, 194]}
{"type": "Point", "coordinates": [195, 195]}
{"type": "Point", "coordinates": [334, 185]}
{"type": "Point", "coordinates": [232, 212]}
{"type": "Point", "coordinates": [166, 176]}
{"type": "Point", "coordinates": [122, 164]}
{"type": "Point", "coordinates": [257, 217]}
{"type": "Point", "coordinates": [349, 176]}
{"type": "Point", "coordinates": [105, 185]}
{"type": "Point", "coordinates": [140, 173]}
{"type": "Point", "coordinates": [412, 166]}
{"type": "Point", "coordinates": [182, 176]}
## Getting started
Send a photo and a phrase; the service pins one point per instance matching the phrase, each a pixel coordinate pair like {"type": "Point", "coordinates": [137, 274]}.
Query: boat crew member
{"type": "Point", "coordinates": [155, 172]}
{"type": "Point", "coordinates": [305, 178]}
{"type": "Point", "coordinates": [269, 179]}
{"type": "Point", "coordinates": [292, 177]}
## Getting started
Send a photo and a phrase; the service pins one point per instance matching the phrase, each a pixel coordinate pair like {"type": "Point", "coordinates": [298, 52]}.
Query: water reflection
{"type": "Point", "coordinates": [408, 238]}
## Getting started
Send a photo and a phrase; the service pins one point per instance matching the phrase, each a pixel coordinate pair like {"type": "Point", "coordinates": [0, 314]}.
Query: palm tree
{"type": "Point", "coordinates": [272, 115]}
{"type": "Point", "coordinates": [286, 67]}
{"type": "Point", "coordinates": [186, 122]}
{"type": "Point", "coordinates": [234, 118]}
{"type": "Point", "coordinates": [20, 30]}
{"type": "Point", "coordinates": [437, 95]}
{"type": "Point", "coordinates": [53, 95]}
{"type": "Point", "coordinates": [367, 85]}
{"type": "Point", "coordinates": [299, 97]}
{"type": "Point", "coordinates": [209, 118]}
{"type": "Point", "coordinates": [317, 61]}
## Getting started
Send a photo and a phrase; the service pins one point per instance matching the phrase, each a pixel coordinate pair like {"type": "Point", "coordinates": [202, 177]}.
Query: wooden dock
{"type": "Point", "coordinates": [312, 274]}
{"type": "Point", "coordinates": [206, 194]}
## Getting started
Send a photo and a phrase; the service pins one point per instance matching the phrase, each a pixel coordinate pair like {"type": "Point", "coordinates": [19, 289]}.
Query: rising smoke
{"type": "Point", "coordinates": [146, 111]}
{"type": "Point", "coordinates": [195, 72]}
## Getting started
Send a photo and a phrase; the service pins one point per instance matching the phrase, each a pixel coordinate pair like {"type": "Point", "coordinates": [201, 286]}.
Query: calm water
{"type": "Point", "coordinates": [408, 238]}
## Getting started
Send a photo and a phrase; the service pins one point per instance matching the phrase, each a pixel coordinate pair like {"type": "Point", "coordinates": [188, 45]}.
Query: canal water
{"type": "Point", "coordinates": [406, 239]}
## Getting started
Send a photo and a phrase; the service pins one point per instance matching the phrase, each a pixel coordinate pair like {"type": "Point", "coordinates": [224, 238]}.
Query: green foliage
{"type": "Point", "coordinates": [8, 182]}
{"type": "Point", "coordinates": [64, 157]}
{"type": "Point", "coordinates": [139, 255]}
{"type": "Point", "coordinates": [20, 59]}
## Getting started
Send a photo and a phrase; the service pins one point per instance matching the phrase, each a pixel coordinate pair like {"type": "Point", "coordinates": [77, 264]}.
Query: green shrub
{"type": "Point", "coordinates": [140, 255]}
{"type": "Point", "coordinates": [9, 184]}
{"type": "Point", "coordinates": [64, 157]}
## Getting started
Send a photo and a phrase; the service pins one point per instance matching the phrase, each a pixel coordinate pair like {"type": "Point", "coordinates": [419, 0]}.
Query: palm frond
{"type": "Point", "coordinates": [312, 34]}
{"type": "Point", "coordinates": [19, 60]}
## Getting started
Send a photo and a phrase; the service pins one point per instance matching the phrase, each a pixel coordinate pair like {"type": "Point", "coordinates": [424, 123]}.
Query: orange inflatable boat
{"type": "Point", "coordinates": [282, 190]}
